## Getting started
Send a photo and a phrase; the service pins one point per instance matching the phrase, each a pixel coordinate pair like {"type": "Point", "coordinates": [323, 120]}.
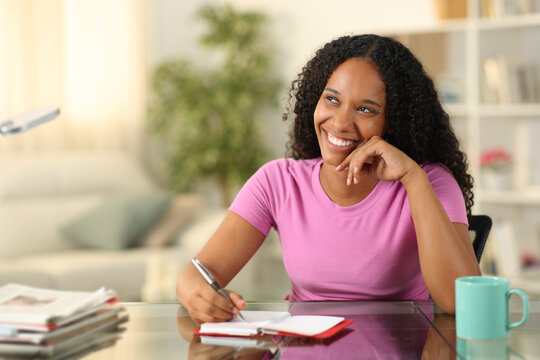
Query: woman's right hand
{"type": "Point", "coordinates": [226, 252]}
{"type": "Point", "coordinates": [204, 304]}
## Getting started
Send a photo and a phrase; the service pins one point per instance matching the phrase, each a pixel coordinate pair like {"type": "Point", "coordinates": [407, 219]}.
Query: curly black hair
{"type": "Point", "coordinates": [416, 121]}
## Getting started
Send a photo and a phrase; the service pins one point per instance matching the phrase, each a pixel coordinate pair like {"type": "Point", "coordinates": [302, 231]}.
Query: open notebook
{"type": "Point", "coordinates": [277, 323]}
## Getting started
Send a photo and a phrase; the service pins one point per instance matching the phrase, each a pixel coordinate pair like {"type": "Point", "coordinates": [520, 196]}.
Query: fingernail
{"type": "Point", "coordinates": [338, 167]}
{"type": "Point", "coordinates": [355, 169]}
{"type": "Point", "coordinates": [355, 180]}
{"type": "Point", "coordinates": [348, 180]}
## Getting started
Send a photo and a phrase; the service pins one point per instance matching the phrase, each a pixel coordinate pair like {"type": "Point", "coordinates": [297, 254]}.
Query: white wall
{"type": "Point", "coordinates": [297, 28]}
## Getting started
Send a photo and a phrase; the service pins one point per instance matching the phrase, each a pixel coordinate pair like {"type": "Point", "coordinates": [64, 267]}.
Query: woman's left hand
{"type": "Point", "coordinates": [382, 160]}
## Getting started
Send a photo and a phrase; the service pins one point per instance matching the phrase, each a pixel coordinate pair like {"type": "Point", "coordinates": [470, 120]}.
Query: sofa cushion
{"type": "Point", "coordinates": [31, 225]}
{"type": "Point", "coordinates": [118, 221]}
{"type": "Point", "coordinates": [199, 232]}
{"type": "Point", "coordinates": [181, 210]}
{"type": "Point", "coordinates": [88, 269]}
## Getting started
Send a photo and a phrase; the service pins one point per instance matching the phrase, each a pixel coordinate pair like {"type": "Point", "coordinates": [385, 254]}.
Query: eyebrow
{"type": "Point", "coordinates": [363, 100]}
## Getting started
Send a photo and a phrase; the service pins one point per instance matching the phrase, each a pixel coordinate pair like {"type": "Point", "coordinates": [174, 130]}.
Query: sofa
{"type": "Point", "coordinates": [82, 220]}
{"type": "Point", "coordinates": [67, 220]}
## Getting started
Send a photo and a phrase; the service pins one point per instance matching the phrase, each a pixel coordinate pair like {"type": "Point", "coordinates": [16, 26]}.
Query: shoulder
{"type": "Point", "coordinates": [290, 163]}
{"type": "Point", "coordinates": [290, 167]}
{"type": "Point", "coordinates": [437, 172]}
{"type": "Point", "coordinates": [448, 191]}
{"type": "Point", "coordinates": [282, 175]}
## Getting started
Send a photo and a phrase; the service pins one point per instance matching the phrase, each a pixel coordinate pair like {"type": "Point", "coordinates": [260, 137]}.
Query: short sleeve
{"type": "Point", "coordinates": [253, 202]}
{"type": "Point", "coordinates": [448, 191]}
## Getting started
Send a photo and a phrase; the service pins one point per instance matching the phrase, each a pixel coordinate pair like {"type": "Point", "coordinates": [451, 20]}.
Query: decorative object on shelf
{"type": "Point", "coordinates": [507, 81]}
{"type": "Point", "coordinates": [451, 88]}
{"type": "Point", "coordinates": [495, 9]}
{"type": "Point", "coordinates": [451, 9]}
{"type": "Point", "coordinates": [208, 119]}
{"type": "Point", "coordinates": [496, 164]}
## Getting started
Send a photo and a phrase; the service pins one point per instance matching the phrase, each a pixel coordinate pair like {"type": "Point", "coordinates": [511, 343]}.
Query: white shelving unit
{"type": "Point", "coordinates": [454, 54]}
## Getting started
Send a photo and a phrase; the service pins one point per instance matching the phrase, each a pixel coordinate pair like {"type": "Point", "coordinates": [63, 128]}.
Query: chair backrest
{"type": "Point", "coordinates": [479, 227]}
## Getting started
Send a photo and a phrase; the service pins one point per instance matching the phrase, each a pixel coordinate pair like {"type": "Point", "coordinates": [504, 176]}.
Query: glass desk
{"type": "Point", "coordinates": [523, 343]}
{"type": "Point", "coordinates": [381, 330]}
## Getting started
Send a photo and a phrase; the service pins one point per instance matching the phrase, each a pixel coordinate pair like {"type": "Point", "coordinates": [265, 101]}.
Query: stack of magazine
{"type": "Point", "coordinates": [50, 323]}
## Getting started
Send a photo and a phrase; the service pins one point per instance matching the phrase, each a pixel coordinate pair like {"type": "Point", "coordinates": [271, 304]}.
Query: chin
{"type": "Point", "coordinates": [333, 160]}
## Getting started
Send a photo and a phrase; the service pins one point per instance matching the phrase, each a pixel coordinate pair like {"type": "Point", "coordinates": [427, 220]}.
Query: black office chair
{"type": "Point", "coordinates": [479, 227]}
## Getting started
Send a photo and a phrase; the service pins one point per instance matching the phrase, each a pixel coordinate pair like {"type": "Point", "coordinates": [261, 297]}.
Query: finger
{"type": "Point", "coordinates": [344, 164]}
{"type": "Point", "coordinates": [206, 312]}
{"type": "Point", "coordinates": [355, 175]}
{"type": "Point", "coordinates": [210, 306]}
{"type": "Point", "coordinates": [341, 166]}
{"type": "Point", "coordinates": [364, 155]}
{"type": "Point", "coordinates": [358, 165]}
{"type": "Point", "coordinates": [220, 303]}
{"type": "Point", "coordinates": [237, 299]}
{"type": "Point", "coordinates": [352, 175]}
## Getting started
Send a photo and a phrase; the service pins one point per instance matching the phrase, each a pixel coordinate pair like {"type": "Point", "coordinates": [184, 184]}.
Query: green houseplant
{"type": "Point", "coordinates": [207, 118]}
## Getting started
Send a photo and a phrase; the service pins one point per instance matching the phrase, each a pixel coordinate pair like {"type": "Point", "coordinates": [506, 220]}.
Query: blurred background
{"type": "Point", "coordinates": [168, 106]}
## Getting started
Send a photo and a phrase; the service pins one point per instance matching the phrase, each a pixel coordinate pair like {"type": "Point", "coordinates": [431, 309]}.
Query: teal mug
{"type": "Point", "coordinates": [482, 307]}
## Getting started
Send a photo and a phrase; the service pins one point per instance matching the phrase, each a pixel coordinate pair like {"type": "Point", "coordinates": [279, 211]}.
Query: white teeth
{"type": "Point", "coordinates": [337, 141]}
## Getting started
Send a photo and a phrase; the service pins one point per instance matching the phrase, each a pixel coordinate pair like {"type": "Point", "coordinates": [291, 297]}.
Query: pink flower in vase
{"type": "Point", "coordinates": [495, 159]}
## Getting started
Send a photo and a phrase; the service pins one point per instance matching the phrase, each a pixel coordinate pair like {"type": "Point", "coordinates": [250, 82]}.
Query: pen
{"type": "Point", "coordinates": [213, 283]}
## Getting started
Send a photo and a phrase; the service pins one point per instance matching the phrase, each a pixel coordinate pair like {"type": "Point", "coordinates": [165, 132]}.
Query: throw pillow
{"type": "Point", "coordinates": [118, 221]}
{"type": "Point", "coordinates": [181, 210]}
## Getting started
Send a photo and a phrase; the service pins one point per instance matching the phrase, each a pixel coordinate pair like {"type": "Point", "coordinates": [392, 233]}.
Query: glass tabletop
{"type": "Point", "coordinates": [381, 330]}
{"type": "Point", "coordinates": [523, 342]}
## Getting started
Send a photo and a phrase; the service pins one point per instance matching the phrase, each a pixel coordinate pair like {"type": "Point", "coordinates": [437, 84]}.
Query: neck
{"type": "Point", "coordinates": [335, 186]}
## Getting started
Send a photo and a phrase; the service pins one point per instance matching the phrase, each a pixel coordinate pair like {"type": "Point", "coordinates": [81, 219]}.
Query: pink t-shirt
{"type": "Point", "coordinates": [366, 251]}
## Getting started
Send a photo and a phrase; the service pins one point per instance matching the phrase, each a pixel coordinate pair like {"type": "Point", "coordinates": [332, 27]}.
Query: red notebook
{"type": "Point", "coordinates": [259, 323]}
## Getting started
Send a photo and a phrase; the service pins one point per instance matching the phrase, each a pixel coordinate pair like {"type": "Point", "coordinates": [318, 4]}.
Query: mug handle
{"type": "Point", "coordinates": [525, 300]}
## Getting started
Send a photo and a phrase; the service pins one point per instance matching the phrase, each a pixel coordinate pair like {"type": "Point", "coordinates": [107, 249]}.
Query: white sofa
{"type": "Point", "coordinates": [42, 196]}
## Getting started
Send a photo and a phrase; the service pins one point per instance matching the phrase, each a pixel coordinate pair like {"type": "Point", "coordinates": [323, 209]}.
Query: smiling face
{"type": "Point", "coordinates": [350, 110]}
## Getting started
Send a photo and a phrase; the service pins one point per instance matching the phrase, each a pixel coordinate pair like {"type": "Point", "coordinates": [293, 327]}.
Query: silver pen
{"type": "Point", "coordinates": [207, 275]}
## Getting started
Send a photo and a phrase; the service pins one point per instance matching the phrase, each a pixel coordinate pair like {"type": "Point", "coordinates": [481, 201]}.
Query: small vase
{"type": "Point", "coordinates": [497, 180]}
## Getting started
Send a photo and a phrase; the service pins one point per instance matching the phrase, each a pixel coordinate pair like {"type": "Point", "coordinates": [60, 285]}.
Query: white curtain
{"type": "Point", "coordinates": [87, 57]}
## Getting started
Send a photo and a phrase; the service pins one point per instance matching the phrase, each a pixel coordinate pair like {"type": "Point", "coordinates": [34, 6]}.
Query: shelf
{"type": "Point", "coordinates": [513, 110]}
{"type": "Point", "coordinates": [509, 22]}
{"type": "Point", "coordinates": [494, 110]}
{"type": "Point", "coordinates": [456, 110]}
{"type": "Point", "coordinates": [509, 197]}
{"type": "Point", "coordinates": [454, 53]}
{"type": "Point", "coordinates": [462, 25]}
{"type": "Point", "coordinates": [448, 26]}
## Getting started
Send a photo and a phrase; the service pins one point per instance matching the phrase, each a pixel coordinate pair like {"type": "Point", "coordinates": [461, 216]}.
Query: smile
{"type": "Point", "coordinates": [338, 141]}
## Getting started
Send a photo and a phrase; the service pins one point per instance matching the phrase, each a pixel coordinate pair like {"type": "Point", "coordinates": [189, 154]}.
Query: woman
{"type": "Point", "coordinates": [373, 203]}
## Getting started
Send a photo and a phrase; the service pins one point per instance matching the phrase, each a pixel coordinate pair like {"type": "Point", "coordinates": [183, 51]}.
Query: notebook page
{"type": "Point", "coordinates": [260, 316]}
{"type": "Point", "coordinates": [305, 324]}
{"type": "Point", "coordinates": [254, 320]}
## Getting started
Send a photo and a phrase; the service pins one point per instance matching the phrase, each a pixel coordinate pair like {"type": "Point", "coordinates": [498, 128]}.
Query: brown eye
{"type": "Point", "coordinates": [331, 99]}
{"type": "Point", "coordinates": [365, 109]}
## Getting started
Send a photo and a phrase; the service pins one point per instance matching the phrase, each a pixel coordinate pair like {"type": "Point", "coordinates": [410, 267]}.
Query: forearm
{"type": "Point", "coordinates": [227, 251]}
{"type": "Point", "coordinates": [444, 253]}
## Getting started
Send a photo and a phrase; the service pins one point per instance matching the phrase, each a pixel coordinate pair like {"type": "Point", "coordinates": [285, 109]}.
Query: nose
{"type": "Point", "coordinates": [343, 119]}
